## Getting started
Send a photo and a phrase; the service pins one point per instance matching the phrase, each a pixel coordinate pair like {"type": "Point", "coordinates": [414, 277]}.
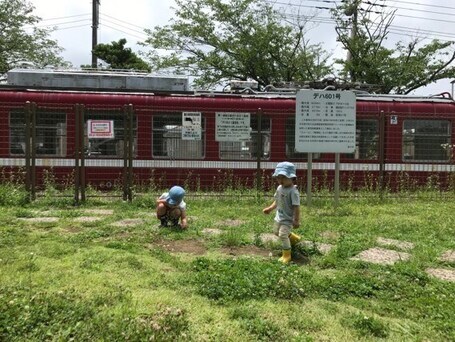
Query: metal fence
{"type": "Point", "coordinates": [49, 145]}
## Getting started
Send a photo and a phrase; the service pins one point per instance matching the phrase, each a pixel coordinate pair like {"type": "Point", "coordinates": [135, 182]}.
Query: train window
{"type": "Point", "coordinates": [290, 142]}
{"type": "Point", "coordinates": [366, 140]}
{"type": "Point", "coordinates": [50, 133]}
{"type": "Point", "coordinates": [167, 139]}
{"type": "Point", "coordinates": [248, 149]}
{"type": "Point", "coordinates": [111, 147]}
{"type": "Point", "coordinates": [425, 140]}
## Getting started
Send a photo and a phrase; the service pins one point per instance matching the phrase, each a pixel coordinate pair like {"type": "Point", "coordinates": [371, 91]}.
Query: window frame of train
{"type": "Point", "coordinates": [290, 142]}
{"type": "Point", "coordinates": [50, 132]}
{"type": "Point", "coordinates": [167, 142]}
{"type": "Point", "coordinates": [247, 150]}
{"type": "Point", "coordinates": [428, 142]}
{"type": "Point", "coordinates": [366, 144]}
{"type": "Point", "coordinates": [110, 147]}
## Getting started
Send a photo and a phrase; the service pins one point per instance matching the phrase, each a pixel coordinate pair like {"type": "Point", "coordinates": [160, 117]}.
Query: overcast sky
{"type": "Point", "coordinates": [127, 19]}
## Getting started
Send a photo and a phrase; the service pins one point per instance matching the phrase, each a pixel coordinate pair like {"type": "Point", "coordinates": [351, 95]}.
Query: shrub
{"type": "Point", "coordinates": [12, 195]}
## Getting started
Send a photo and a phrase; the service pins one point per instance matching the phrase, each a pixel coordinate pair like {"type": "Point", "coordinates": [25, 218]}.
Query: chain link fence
{"type": "Point", "coordinates": [145, 151]}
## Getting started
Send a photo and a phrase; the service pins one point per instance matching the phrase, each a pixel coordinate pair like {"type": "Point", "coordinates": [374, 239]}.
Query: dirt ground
{"type": "Point", "coordinates": [197, 247]}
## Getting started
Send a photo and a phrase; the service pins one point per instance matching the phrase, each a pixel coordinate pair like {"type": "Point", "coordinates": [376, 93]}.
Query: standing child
{"type": "Point", "coordinates": [287, 203]}
{"type": "Point", "coordinates": [170, 206]}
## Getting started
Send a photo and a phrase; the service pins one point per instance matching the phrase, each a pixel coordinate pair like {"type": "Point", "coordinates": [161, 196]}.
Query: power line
{"type": "Point", "coordinates": [69, 16]}
{"type": "Point", "coordinates": [71, 27]}
{"type": "Point", "coordinates": [372, 4]}
{"type": "Point", "coordinates": [57, 24]}
{"type": "Point", "coordinates": [315, 19]}
{"type": "Point", "coordinates": [413, 3]}
{"type": "Point", "coordinates": [116, 29]}
{"type": "Point", "coordinates": [423, 18]}
{"type": "Point", "coordinates": [394, 29]}
{"type": "Point", "coordinates": [123, 26]}
{"type": "Point", "coordinates": [418, 10]}
{"type": "Point", "coordinates": [123, 21]}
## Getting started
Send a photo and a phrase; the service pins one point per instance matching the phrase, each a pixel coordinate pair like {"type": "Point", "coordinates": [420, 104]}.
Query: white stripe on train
{"type": "Point", "coordinates": [200, 164]}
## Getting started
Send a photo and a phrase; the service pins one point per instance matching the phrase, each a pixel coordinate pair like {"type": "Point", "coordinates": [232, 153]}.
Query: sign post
{"type": "Point", "coordinates": [325, 123]}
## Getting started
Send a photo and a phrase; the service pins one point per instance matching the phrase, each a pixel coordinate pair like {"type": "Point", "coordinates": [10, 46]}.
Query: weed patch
{"type": "Point", "coordinates": [368, 326]}
{"type": "Point", "coordinates": [69, 316]}
{"type": "Point", "coordinates": [247, 279]}
{"type": "Point", "coordinates": [257, 325]}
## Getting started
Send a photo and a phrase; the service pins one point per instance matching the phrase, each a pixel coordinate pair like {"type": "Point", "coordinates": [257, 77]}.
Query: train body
{"type": "Point", "coordinates": [398, 140]}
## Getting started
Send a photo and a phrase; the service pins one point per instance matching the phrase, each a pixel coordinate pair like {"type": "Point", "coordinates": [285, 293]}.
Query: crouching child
{"type": "Point", "coordinates": [171, 208]}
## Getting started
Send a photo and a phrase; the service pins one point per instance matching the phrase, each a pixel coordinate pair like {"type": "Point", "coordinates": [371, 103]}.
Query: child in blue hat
{"type": "Point", "coordinates": [170, 206]}
{"type": "Point", "coordinates": [287, 203]}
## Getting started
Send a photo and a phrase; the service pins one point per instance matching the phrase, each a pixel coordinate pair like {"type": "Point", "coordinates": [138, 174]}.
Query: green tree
{"type": "Point", "coordinates": [21, 40]}
{"type": "Point", "coordinates": [119, 57]}
{"type": "Point", "coordinates": [400, 70]}
{"type": "Point", "coordinates": [217, 40]}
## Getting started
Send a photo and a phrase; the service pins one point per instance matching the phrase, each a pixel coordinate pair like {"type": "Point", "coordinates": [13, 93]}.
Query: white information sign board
{"type": "Point", "coordinates": [100, 129]}
{"type": "Point", "coordinates": [325, 121]}
{"type": "Point", "coordinates": [232, 126]}
{"type": "Point", "coordinates": [191, 126]}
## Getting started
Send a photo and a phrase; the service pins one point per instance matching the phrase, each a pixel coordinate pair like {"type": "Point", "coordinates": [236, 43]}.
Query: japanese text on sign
{"type": "Point", "coordinates": [325, 121]}
{"type": "Point", "coordinates": [232, 126]}
{"type": "Point", "coordinates": [100, 129]}
{"type": "Point", "coordinates": [191, 126]}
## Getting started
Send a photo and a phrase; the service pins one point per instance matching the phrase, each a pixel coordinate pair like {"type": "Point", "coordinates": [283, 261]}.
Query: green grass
{"type": "Point", "coordinates": [88, 281]}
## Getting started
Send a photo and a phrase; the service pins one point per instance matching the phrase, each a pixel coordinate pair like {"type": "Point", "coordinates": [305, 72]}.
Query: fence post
{"type": "Point", "coordinates": [309, 181]}
{"type": "Point", "coordinates": [127, 152]}
{"type": "Point", "coordinates": [381, 153]}
{"type": "Point", "coordinates": [33, 149]}
{"type": "Point", "coordinates": [337, 180]}
{"type": "Point", "coordinates": [77, 144]}
{"type": "Point", "coordinates": [30, 153]}
{"type": "Point", "coordinates": [130, 151]}
{"type": "Point", "coordinates": [81, 152]}
{"type": "Point", "coordinates": [259, 152]}
{"type": "Point", "coordinates": [28, 171]}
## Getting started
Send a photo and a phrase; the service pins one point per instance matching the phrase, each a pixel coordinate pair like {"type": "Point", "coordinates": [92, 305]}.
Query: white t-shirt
{"type": "Point", "coordinates": [182, 204]}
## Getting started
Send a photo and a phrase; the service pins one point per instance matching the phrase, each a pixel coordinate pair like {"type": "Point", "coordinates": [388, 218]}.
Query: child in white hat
{"type": "Point", "coordinates": [287, 203]}
{"type": "Point", "coordinates": [170, 206]}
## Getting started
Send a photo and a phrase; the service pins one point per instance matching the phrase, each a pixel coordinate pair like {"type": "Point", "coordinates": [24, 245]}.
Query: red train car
{"type": "Point", "coordinates": [400, 141]}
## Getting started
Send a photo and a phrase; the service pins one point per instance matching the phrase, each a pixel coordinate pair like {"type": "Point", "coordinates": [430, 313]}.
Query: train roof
{"type": "Point", "coordinates": [138, 83]}
{"type": "Point", "coordinates": [95, 79]}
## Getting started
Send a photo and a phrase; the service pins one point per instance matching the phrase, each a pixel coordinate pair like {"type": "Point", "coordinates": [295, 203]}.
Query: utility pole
{"type": "Point", "coordinates": [95, 23]}
{"type": "Point", "coordinates": [352, 11]}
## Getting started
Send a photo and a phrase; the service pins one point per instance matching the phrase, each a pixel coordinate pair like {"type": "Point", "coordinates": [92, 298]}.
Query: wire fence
{"type": "Point", "coordinates": [126, 150]}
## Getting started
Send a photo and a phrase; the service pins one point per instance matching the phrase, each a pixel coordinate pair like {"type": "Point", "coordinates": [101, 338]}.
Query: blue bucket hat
{"type": "Point", "coordinates": [286, 169]}
{"type": "Point", "coordinates": [175, 195]}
